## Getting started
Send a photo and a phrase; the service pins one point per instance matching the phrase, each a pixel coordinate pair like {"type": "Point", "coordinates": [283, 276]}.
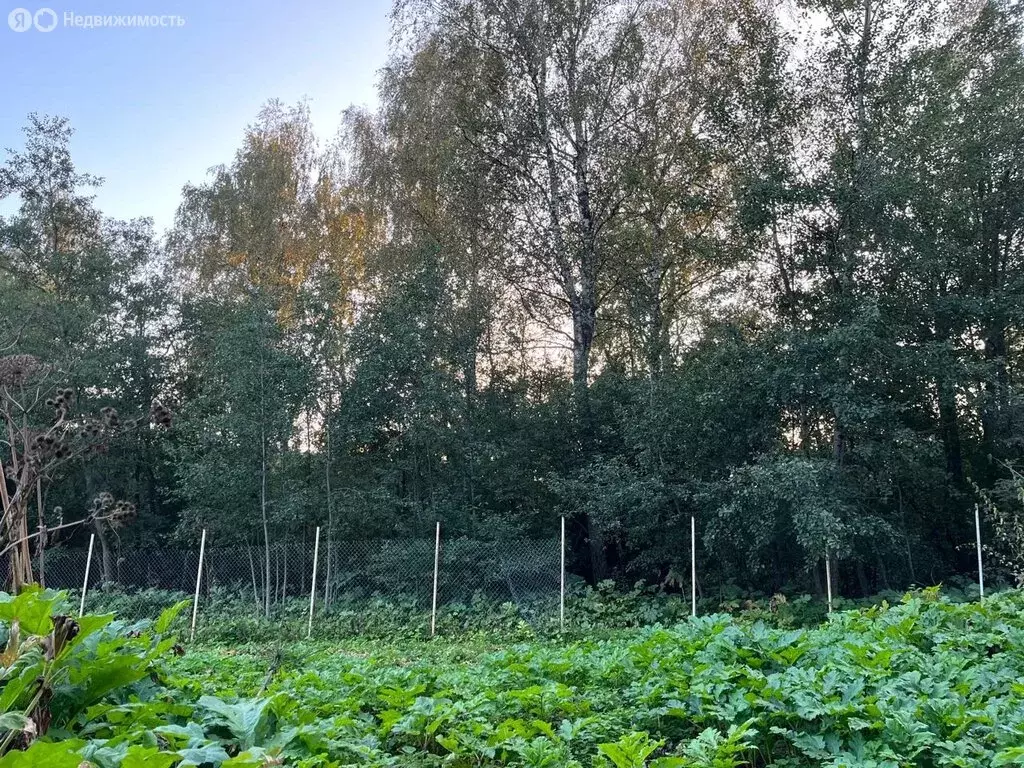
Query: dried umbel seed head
{"type": "Point", "coordinates": [122, 512]}
{"type": "Point", "coordinates": [113, 512]}
{"type": "Point", "coordinates": [102, 502]}
{"type": "Point", "coordinates": [62, 400]}
{"type": "Point", "coordinates": [89, 431]}
{"type": "Point", "coordinates": [159, 414]}
{"type": "Point", "coordinates": [61, 404]}
{"type": "Point", "coordinates": [46, 448]}
{"type": "Point", "coordinates": [110, 417]}
{"type": "Point", "coordinates": [16, 370]}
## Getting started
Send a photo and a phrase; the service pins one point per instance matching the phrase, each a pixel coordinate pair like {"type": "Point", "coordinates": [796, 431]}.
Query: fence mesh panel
{"type": "Point", "coordinates": [524, 572]}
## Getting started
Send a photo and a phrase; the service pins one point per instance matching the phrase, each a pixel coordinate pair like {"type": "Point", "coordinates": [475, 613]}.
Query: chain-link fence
{"type": "Point", "coordinates": [350, 574]}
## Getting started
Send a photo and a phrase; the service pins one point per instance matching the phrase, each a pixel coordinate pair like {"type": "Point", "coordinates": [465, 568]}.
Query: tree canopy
{"type": "Point", "coordinates": [756, 262]}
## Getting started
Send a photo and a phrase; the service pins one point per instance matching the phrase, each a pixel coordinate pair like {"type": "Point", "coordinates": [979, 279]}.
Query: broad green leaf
{"type": "Point", "coordinates": [149, 757]}
{"type": "Point", "coordinates": [244, 760]}
{"type": "Point", "coordinates": [22, 677]}
{"type": "Point", "coordinates": [88, 625]}
{"type": "Point", "coordinates": [13, 721]}
{"type": "Point", "coordinates": [45, 754]}
{"type": "Point", "coordinates": [199, 755]}
{"type": "Point", "coordinates": [1011, 756]}
{"type": "Point", "coordinates": [168, 616]}
{"type": "Point", "coordinates": [245, 719]}
{"type": "Point", "coordinates": [631, 751]}
{"type": "Point", "coordinates": [32, 610]}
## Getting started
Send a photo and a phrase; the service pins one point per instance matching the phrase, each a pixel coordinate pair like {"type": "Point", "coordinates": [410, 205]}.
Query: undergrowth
{"type": "Point", "coordinates": [923, 683]}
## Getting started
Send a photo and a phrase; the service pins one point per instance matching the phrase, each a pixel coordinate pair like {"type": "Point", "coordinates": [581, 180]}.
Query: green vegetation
{"type": "Point", "coordinates": [923, 683]}
{"type": "Point", "coordinates": [227, 617]}
{"type": "Point", "coordinates": [741, 275]}
{"type": "Point", "coordinates": [621, 261]}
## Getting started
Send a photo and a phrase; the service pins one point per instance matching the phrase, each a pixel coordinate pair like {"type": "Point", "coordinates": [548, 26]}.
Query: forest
{"type": "Point", "coordinates": [623, 261]}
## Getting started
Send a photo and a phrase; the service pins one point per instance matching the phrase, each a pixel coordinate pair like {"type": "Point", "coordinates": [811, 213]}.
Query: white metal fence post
{"type": "Point", "coordinates": [693, 565]}
{"type": "Point", "coordinates": [437, 559]}
{"type": "Point", "coordinates": [88, 567]}
{"type": "Point", "coordinates": [312, 591]}
{"type": "Point", "coordinates": [561, 583]}
{"type": "Point", "coordinates": [977, 536]}
{"type": "Point", "coordinates": [199, 578]}
{"type": "Point", "coordinates": [828, 579]}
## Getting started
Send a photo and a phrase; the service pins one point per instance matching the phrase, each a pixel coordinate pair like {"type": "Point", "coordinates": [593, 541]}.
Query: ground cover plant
{"type": "Point", "coordinates": [926, 682]}
{"type": "Point", "coordinates": [227, 616]}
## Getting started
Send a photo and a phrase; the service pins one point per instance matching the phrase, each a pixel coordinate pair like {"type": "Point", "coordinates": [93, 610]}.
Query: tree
{"type": "Point", "coordinates": [65, 271]}
{"type": "Point", "coordinates": [249, 244]}
{"type": "Point", "coordinates": [42, 433]}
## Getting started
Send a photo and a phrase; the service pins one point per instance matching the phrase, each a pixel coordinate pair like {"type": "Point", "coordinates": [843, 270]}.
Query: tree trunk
{"type": "Point", "coordinates": [263, 470]}
{"type": "Point", "coordinates": [862, 579]}
{"type": "Point", "coordinates": [992, 414]}
{"type": "Point", "coordinates": [15, 511]}
{"type": "Point", "coordinates": [255, 589]}
{"type": "Point", "coordinates": [328, 462]}
{"type": "Point", "coordinates": [106, 555]}
{"type": "Point", "coordinates": [949, 428]}
{"type": "Point", "coordinates": [657, 342]}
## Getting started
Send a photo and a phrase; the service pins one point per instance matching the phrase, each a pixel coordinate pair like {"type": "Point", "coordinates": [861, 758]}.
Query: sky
{"type": "Point", "coordinates": [154, 108]}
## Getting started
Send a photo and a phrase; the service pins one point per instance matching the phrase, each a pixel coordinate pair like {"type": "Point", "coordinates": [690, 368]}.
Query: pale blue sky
{"type": "Point", "coordinates": [154, 108]}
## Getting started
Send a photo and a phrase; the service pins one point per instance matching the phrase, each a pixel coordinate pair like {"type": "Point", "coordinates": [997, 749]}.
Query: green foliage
{"type": "Point", "coordinates": [631, 751]}
{"type": "Point", "coordinates": [925, 682]}
{"type": "Point", "coordinates": [58, 674]}
{"type": "Point", "coordinates": [228, 617]}
{"type": "Point", "coordinates": [768, 279]}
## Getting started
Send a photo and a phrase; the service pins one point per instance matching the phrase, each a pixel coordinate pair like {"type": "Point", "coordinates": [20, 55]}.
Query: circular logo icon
{"type": "Point", "coordinates": [20, 20]}
{"type": "Point", "coordinates": [45, 19]}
